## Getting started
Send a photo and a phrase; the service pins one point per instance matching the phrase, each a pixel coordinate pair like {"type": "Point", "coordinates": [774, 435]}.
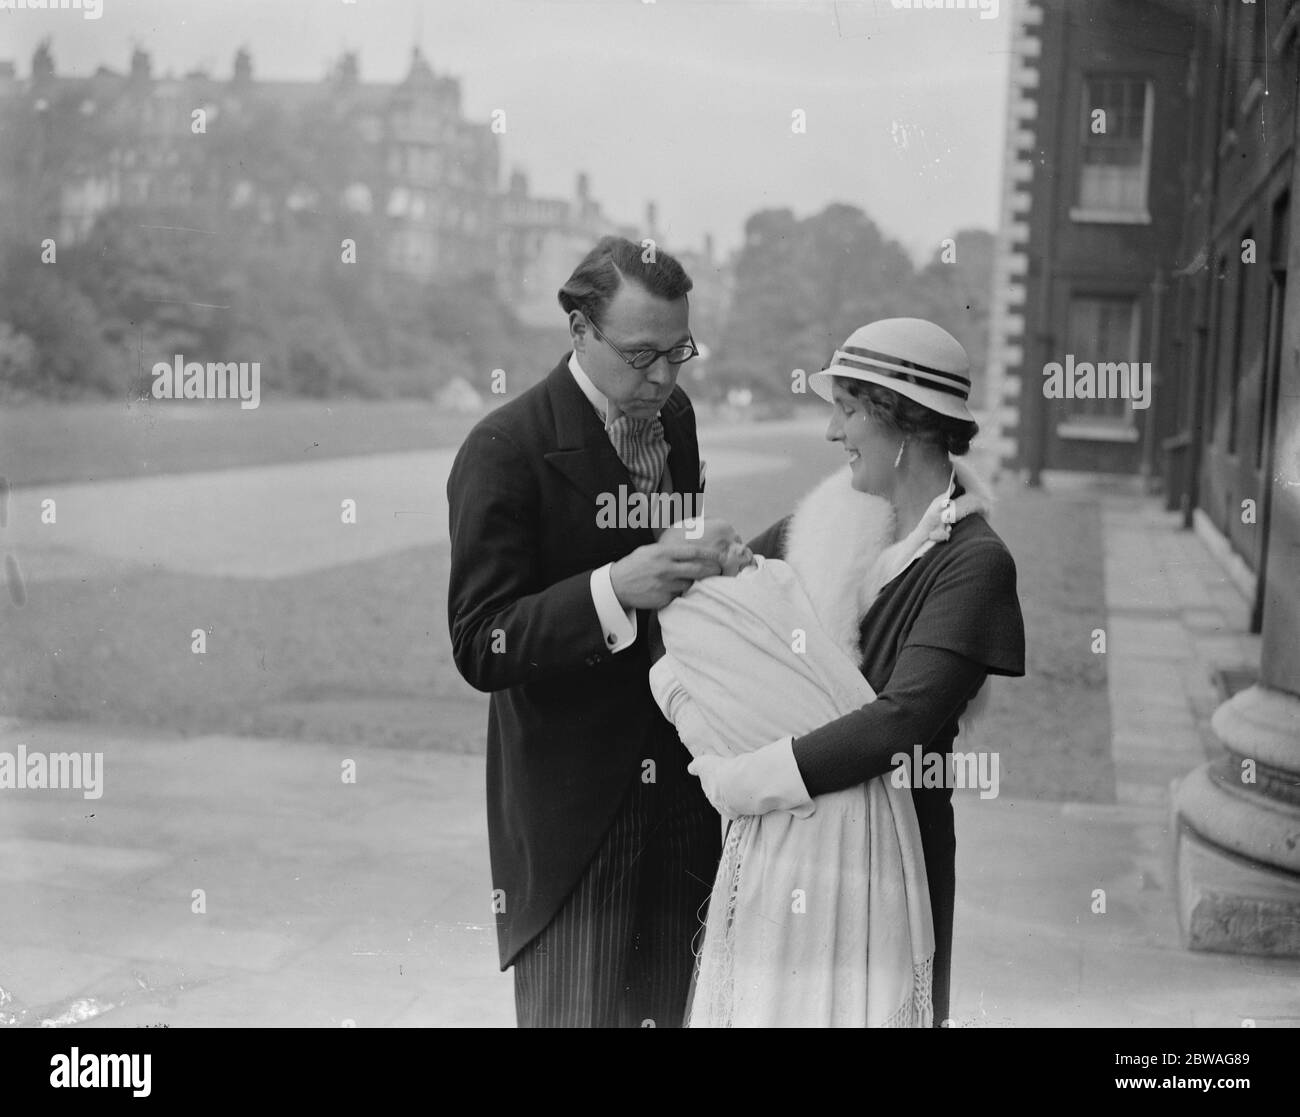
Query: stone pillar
{"type": "Point", "coordinates": [1237, 821]}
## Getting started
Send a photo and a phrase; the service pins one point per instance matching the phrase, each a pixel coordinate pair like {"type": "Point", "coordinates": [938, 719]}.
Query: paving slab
{"type": "Point", "coordinates": [314, 890]}
{"type": "Point", "coordinates": [332, 903]}
{"type": "Point", "coordinates": [1031, 950]}
{"type": "Point", "coordinates": [326, 925]}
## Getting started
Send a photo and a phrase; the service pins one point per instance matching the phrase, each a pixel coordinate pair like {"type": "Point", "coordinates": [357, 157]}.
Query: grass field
{"type": "Point", "coordinates": [98, 441]}
{"type": "Point", "coordinates": [360, 654]}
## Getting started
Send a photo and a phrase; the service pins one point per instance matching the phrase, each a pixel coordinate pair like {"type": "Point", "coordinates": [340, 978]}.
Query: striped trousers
{"type": "Point", "coordinates": [620, 952]}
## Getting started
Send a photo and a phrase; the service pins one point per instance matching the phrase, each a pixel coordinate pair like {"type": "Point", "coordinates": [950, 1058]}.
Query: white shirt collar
{"type": "Point", "coordinates": [596, 397]}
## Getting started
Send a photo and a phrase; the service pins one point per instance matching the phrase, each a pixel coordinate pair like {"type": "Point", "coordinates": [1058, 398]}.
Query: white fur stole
{"type": "Point", "coordinates": [833, 542]}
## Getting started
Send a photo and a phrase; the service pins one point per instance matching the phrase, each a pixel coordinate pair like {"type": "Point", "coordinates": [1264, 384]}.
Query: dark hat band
{"type": "Point", "coordinates": [950, 383]}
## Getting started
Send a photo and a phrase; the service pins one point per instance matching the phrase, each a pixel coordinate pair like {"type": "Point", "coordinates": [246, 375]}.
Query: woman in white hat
{"type": "Point", "coordinates": [926, 614]}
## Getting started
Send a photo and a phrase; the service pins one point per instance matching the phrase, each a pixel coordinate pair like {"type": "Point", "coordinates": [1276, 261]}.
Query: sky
{"type": "Point", "coordinates": [687, 103]}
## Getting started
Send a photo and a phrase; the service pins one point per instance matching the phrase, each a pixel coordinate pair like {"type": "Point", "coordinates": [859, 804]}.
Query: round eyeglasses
{"type": "Point", "coordinates": [642, 359]}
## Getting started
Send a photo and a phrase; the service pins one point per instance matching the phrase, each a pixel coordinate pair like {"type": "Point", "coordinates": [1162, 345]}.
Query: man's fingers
{"type": "Point", "coordinates": [709, 561]}
{"type": "Point", "coordinates": [694, 571]}
{"type": "Point", "coordinates": [688, 552]}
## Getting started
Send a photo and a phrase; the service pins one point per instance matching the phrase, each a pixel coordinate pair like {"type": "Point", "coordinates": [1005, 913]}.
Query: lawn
{"type": "Point", "coordinates": [51, 442]}
{"type": "Point", "coordinates": [360, 654]}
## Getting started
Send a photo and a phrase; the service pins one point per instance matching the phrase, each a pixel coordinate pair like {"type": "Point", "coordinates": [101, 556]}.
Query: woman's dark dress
{"type": "Point", "coordinates": [928, 642]}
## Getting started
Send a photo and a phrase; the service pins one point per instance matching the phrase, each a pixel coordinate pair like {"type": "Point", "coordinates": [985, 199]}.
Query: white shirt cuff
{"type": "Point", "coordinates": [619, 624]}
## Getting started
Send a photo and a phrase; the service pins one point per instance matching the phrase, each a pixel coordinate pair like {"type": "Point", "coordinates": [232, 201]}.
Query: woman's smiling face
{"type": "Point", "coordinates": [871, 445]}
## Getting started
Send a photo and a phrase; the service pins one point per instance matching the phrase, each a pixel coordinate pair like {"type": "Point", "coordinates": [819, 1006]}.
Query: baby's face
{"type": "Point", "coordinates": [719, 536]}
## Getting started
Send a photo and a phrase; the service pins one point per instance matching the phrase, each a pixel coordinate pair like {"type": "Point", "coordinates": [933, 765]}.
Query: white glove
{"type": "Point", "coordinates": [755, 782]}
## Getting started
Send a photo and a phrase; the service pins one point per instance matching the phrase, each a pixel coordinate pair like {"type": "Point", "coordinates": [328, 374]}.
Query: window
{"type": "Point", "coordinates": [1115, 163]}
{"type": "Point", "coordinates": [1244, 274]}
{"type": "Point", "coordinates": [1101, 328]}
{"type": "Point", "coordinates": [1224, 347]}
{"type": "Point", "coordinates": [1272, 368]}
{"type": "Point", "coordinates": [1273, 332]}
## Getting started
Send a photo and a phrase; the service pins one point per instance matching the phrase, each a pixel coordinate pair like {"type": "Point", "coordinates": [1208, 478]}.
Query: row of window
{"type": "Point", "coordinates": [420, 205]}
{"type": "Point", "coordinates": [1259, 279]}
{"type": "Point", "coordinates": [1109, 327]}
{"type": "Point", "coordinates": [1117, 114]}
{"type": "Point", "coordinates": [432, 164]}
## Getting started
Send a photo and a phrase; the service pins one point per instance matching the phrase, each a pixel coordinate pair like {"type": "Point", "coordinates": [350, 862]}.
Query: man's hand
{"type": "Point", "coordinates": [651, 576]}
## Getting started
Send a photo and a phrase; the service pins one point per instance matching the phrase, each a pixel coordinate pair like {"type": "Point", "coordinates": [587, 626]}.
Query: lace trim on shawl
{"type": "Point", "coordinates": [715, 974]}
{"type": "Point", "coordinates": [918, 1012]}
{"type": "Point", "coordinates": [713, 1000]}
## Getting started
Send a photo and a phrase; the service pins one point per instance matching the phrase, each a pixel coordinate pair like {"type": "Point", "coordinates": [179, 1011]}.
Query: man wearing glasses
{"type": "Point", "coordinates": [603, 848]}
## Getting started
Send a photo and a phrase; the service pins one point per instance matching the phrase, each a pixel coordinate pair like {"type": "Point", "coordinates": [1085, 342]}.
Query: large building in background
{"type": "Point", "coordinates": [1092, 221]}
{"type": "Point", "coordinates": [539, 242]}
{"type": "Point", "coordinates": [1221, 427]}
{"type": "Point", "coordinates": [404, 156]}
{"type": "Point", "coordinates": [440, 182]}
{"type": "Point", "coordinates": [1148, 217]}
{"type": "Point", "coordinates": [541, 239]}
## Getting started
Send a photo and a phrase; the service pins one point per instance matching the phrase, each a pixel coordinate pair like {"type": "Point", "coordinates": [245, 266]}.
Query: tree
{"type": "Point", "coordinates": [802, 286]}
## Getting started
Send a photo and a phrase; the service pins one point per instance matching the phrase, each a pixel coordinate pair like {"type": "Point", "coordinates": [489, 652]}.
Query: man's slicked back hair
{"type": "Point", "coordinates": [596, 280]}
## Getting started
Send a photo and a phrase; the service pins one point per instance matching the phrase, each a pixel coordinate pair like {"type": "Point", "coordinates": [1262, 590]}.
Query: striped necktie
{"type": "Point", "coordinates": [641, 446]}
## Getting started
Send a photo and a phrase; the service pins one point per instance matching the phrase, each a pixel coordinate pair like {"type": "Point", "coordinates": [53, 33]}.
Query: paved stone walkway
{"type": "Point", "coordinates": [327, 902]}
{"type": "Point", "coordinates": [324, 901]}
{"type": "Point", "coordinates": [1173, 617]}
{"type": "Point", "coordinates": [1031, 948]}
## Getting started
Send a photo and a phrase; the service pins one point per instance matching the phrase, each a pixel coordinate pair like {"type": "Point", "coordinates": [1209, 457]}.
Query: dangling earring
{"type": "Point", "coordinates": [901, 446]}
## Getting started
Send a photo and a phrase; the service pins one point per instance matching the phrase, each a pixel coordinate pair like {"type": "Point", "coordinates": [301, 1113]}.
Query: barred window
{"type": "Point", "coordinates": [1116, 159]}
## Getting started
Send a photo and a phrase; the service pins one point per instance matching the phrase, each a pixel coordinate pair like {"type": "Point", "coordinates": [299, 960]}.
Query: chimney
{"type": "Point", "coordinates": [243, 68]}
{"type": "Point", "coordinates": [42, 63]}
{"type": "Point", "coordinates": [141, 67]}
{"type": "Point", "coordinates": [348, 71]}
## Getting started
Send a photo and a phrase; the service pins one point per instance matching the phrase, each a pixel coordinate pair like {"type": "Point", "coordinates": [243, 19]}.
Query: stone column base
{"type": "Point", "coordinates": [1236, 830]}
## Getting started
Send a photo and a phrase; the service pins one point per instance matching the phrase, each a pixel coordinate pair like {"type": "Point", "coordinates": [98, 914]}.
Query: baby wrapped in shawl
{"type": "Point", "coordinates": [746, 659]}
{"type": "Point", "coordinates": [820, 916]}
